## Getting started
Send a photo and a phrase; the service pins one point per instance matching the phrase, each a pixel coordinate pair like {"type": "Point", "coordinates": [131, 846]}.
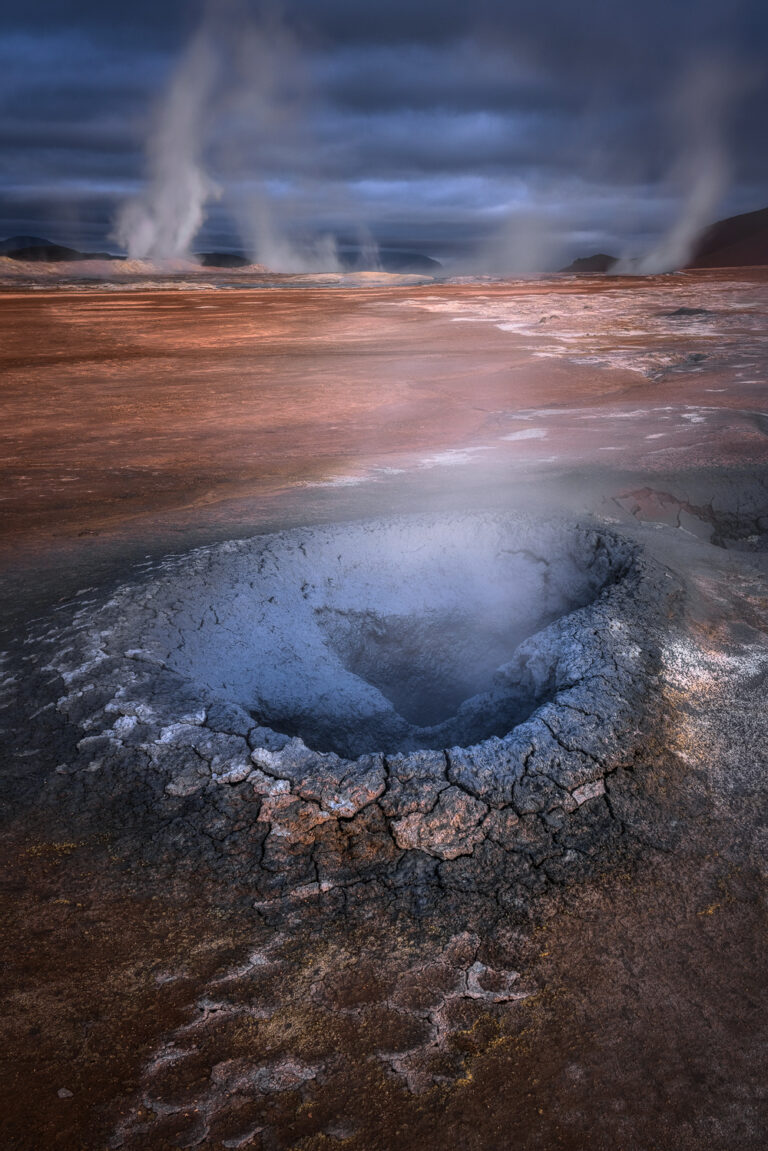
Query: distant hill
{"type": "Point", "coordinates": [38, 249]}
{"type": "Point", "coordinates": [16, 243]}
{"type": "Point", "coordinates": [223, 260]}
{"type": "Point", "coordinates": [409, 262]}
{"type": "Point", "coordinates": [588, 265]}
{"type": "Point", "coordinates": [35, 248]}
{"type": "Point", "coordinates": [390, 260]}
{"type": "Point", "coordinates": [737, 242]}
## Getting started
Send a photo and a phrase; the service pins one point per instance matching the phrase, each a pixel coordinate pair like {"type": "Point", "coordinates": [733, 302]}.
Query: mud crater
{"type": "Point", "coordinates": [311, 707]}
{"type": "Point", "coordinates": [388, 637]}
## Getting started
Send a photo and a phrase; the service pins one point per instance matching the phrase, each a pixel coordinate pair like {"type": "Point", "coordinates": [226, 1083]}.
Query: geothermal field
{"type": "Point", "coordinates": [384, 682]}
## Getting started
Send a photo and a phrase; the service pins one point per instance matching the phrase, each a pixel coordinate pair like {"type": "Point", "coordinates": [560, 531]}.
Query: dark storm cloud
{"type": "Point", "coordinates": [428, 120]}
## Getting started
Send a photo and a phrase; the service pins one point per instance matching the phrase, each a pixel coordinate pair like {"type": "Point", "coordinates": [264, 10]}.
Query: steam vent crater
{"type": "Point", "coordinates": [315, 705]}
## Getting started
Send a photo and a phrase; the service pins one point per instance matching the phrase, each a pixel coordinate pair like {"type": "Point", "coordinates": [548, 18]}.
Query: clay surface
{"type": "Point", "coordinates": [213, 700]}
{"type": "Point", "coordinates": [481, 862]}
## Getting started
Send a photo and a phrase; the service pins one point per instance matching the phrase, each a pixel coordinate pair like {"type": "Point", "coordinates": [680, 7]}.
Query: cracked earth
{"type": "Point", "coordinates": [164, 752]}
{"type": "Point", "coordinates": [421, 827]}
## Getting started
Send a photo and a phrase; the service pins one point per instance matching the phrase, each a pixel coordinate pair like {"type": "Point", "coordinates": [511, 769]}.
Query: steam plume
{"type": "Point", "coordinates": [271, 244]}
{"type": "Point", "coordinates": [702, 171]}
{"type": "Point", "coordinates": [161, 223]}
{"type": "Point", "coordinates": [244, 77]}
{"type": "Point", "coordinates": [270, 122]}
{"type": "Point", "coordinates": [524, 244]}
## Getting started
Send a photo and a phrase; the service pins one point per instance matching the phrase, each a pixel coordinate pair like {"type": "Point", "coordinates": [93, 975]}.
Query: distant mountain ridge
{"type": "Point", "coordinates": [736, 242]}
{"type": "Point", "coordinates": [391, 260]}
{"type": "Point", "coordinates": [16, 243]}
{"type": "Point", "coordinates": [38, 249]}
{"type": "Point", "coordinates": [588, 265]}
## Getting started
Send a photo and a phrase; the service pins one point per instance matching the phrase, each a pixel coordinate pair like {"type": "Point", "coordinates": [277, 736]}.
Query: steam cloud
{"type": "Point", "coordinates": [162, 223]}
{"type": "Point", "coordinates": [238, 91]}
{"type": "Point", "coordinates": [239, 96]}
{"type": "Point", "coordinates": [702, 172]}
{"type": "Point", "coordinates": [524, 244]}
{"type": "Point", "coordinates": [265, 116]}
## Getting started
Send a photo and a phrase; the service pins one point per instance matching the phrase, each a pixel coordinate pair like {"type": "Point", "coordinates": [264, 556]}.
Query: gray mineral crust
{"type": "Point", "coordinates": [379, 699]}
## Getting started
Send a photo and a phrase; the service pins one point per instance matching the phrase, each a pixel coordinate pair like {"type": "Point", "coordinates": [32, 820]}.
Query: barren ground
{"type": "Point", "coordinates": [144, 420]}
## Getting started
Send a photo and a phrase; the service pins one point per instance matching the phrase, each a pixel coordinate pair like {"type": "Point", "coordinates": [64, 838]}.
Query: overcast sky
{"type": "Point", "coordinates": [550, 127]}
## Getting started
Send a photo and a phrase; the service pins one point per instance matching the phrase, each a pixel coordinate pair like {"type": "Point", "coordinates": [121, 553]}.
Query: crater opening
{"type": "Point", "coordinates": [425, 666]}
{"type": "Point", "coordinates": [387, 636]}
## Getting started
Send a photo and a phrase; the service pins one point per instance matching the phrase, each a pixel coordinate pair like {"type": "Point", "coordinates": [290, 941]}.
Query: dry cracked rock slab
{"type": "Point", "coordinates": [440, 698]}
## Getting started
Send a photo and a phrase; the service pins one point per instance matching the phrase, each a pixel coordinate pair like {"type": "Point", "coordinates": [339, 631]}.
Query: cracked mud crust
{"type": "Point", "coordinates": [304, 1002]}
{"type": "Point", "coordinates": [147, 693]}
{"type": "Point", "coordinates": [197, 963]}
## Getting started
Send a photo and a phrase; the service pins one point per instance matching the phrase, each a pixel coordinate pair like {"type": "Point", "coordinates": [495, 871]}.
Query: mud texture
{"type": "Point", "coordinates": [175, 764]}
{"type": "Point", "coordinates": [449, 934]}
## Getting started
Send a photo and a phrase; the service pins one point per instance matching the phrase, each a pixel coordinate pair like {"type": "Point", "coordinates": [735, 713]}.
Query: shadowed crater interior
{"type": "Point", "coordinates": [303, 707]}
{"type": "Point", "coordinates": [392, 636]}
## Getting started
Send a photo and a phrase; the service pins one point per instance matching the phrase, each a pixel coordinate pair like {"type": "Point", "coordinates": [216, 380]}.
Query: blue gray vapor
{"type": "Point", "coordinates": [495, 136]}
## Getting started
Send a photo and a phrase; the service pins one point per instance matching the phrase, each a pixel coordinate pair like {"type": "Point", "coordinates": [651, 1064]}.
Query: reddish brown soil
{"type": "Point", "coordinates": [647, 1032]}
{"type": "Point", "coordinates": [122, 405]}
{"type": "Point", "coordinates": [139, 412]}
{"type": "Point", "coordinates": [82, 1006]}
{"type": "Point", "coordinates": [126, 403]}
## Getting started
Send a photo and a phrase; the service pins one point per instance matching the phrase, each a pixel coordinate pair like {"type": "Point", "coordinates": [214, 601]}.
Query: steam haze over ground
{"type": "Point", "coordinates": [496, 138]}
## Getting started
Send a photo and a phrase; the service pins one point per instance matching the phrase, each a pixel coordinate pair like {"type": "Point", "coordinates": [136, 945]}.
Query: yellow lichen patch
{"type": "Point", "coordinates": [713, 907]}
{"type": "Point", "coordinates": [54, 848]}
